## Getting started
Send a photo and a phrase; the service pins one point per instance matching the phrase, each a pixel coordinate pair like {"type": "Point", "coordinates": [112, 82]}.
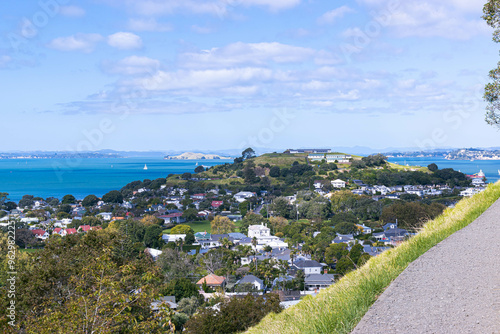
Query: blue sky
{"type": "Point", "coordinates": [224, 74]}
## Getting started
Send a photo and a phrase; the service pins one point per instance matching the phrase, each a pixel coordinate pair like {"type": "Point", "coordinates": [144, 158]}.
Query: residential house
{"type": "Point", "coordinates": [217, 204]}
{"type": "Point", "coordinates": [106, 215]}
{"type": "Point", "coordinates": [212, 281]}
{"type": "Point", "coordinates": [318, 281]}
{"type": "Point", "coordinates": [175, 217]}
{"type": "Point", "coordinates": [198, 196]}
{"type": "Point", "coordinates": [365, 229]}
{"type": "Point", "coordinates": [338, 183]}
{"type": "Point", "coordinates": [71, 231]}
{"type": "Point", "coordinates": [40, 234]}
{"type": "Point", "coordinates": [155, 253]}
{"type": "Point", "coordinates": [309, 266]}
{"type": "Point", "coordinates": [86, 228]}
{"type": "Point", "coordinates": [251, 279]}
{"type": "Point", "coordinates": [343, 238]}
{"type": "Point", "coordinates": [243, 196]}
{"type": "Point", "coordinates": [172, 237]}
{"type": "Point", "coordinates": [258, 231]}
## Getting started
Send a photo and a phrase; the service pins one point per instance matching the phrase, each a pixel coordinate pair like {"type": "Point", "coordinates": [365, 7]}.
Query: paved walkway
{"type": "Point", "coordinates": [453, 288]}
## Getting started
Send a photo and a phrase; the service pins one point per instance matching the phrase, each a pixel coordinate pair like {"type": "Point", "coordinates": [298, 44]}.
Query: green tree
{"type": "Point", "coordinates": [243, 207]}
{"type": "Point", "coordinates": [221, 225]}
{"type": "Point", "coordinates": [152, 236]}
{"type": "Point", "coordinates": [248, 153]}
{"type": "Point", "coordinates": [235, 315]}
{"type": "Point", "coordinates": [90, 200]}
{"type": "Point", "coordinates": [345, 228]}
{"type": "Point", "coordinates": [188, 305]}
{"type": "Point", "coordinates": [114, 197]}
{"type": "Point", "coordinates": [68, 199]}
{"type": "Point", "coordinates": [199, 169]}
{"type": "Point", "coordinates": [3, 198]}
{"type": "Point", "coordinates": [190, 214]}
{"type": "Point", "coordinates": [181, 229]}
{"type": "Point", "coordinates": [433, 167]}
{"type": "Point", "coordinates": [491, 15]}
{"type": "Point", "coordinates": [181, 288]}
{"type": "Point", "coordinates": [175, 264]}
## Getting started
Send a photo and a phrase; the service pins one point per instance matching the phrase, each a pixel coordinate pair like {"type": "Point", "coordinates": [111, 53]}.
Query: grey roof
{"type": "Point", "coordinates": [307, 264]}
{"type": "Point", "coordinates": [395, 232]}
{"type": "Point", "coordinates": [250, 279]}
{"type": "Point", "coordinates": [237, 236]}
{"type": "Point", "coordinates": [324, 279]}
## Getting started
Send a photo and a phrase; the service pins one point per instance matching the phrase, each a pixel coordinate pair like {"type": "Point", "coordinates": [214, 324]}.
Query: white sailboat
{"type": "Point", "coordinates": [145, 167]}
{"type": "Point", "coordinates": [499, 172]}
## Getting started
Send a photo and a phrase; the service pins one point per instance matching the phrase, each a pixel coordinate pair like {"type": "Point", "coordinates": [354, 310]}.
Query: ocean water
{"type": "Point", "coordinates": [489, 167]}
{"type": "Point", "coordinates": [81, 177]}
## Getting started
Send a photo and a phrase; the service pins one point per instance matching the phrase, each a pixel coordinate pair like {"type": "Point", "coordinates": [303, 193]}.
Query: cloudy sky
{"type": "Point", "coordinates": [223, 74]}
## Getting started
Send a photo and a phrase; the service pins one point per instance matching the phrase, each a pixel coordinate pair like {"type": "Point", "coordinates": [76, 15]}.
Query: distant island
{"type": "Point", "coordinates": [195, 156]}
{"type": "Point", "coordinates": [473, 154]}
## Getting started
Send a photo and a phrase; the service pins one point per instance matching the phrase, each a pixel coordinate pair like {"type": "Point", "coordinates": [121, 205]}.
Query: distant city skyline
{"type": "Point", "coordinates": [211, 75]}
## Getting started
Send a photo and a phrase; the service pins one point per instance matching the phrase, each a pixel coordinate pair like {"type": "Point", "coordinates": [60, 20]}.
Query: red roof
{"type": "Point", "coordinates": [70, 231]}
{"type": "Point", "coordinates": [212, 279]}
{"type": "Point", "coordinates": [199, 195]}
{"type": "Point", "coordinates": [216, 204]}
{"type": "Point", "coordinates": [57, 230]}
{"type": "Point", "coordinates": [84, 228]}
{"type": "Point", "coordinates": [172, 215]}
{"type": "Point", "coordinates": [38, 232]}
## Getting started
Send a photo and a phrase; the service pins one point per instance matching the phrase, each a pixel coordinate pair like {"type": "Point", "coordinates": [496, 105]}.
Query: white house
{"type": "Point", "coordinates": [173, 237]}
{"type": "Point", "coordinates": [243, 195]}
{"type": "Point", "coordinates": [255, 281]}
{"type": "Point", "coordinates": [338, 183]}
{"type": "Point", "coordinates": [309, 266]}
{"type": "Point", "coordinates": [258, 231]}
{"type": "Point", "coordinates": [106, 215]}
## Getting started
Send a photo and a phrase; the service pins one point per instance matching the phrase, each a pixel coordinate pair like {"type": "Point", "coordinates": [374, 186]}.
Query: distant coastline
{"type": "Point", "coordinates": [59, 155]}
{"type": "Point", "coordinates": [195, 156]}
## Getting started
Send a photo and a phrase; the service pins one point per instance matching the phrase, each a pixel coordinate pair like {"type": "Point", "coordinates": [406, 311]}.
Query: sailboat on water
{"type": "Point", "coordinates": [499, 172]}
{"type": "Point", "coordinates": [145, 167]}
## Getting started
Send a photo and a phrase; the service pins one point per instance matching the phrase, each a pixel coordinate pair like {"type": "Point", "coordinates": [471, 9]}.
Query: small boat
{"type": "Point", "coordinates": [196, 164]}
{"type": "Point", "coordinates": [145, 167]}
{"type": "Point", "coordinates": [499, 172]}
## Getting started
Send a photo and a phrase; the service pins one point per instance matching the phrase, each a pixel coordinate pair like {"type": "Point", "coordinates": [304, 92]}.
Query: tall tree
{"type": "Point", "coordinates": [222, 225]}
{"type": "Point", "coordinates": [491, 15]}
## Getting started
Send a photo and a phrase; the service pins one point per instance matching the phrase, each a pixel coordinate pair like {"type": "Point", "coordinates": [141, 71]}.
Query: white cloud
{"type": "Point", "coordinates": [148, 25]}
{"type": "Point", "coordinates": [271, 4]}
{"type": "Point", "coordinates": [331, 16]}
{"type": "Point", "coordinates": [72, 11]}
{"type": "Point", "coordinates": [133, 65]}
{"type": "Point", "coordinates": [454, 19]}
{"type": "Point", "coordinates": [79, 42]}
{"type": "Point", "coordinates": [125, 41]}
{"type": "Point", "coordinates": [205, 79]}
{"type": "Point", "coordinates": [255, 54]}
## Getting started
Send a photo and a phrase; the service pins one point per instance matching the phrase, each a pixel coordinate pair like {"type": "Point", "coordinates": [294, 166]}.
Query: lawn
{"type": "Point", "coordinates": [201, 226]}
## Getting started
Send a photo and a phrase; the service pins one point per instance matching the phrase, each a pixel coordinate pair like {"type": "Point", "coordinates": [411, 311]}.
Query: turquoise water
{"type": "Point", "coordinates": [58, 177]}
{"type": "Point", "coordinates": [81, 177]}
{"type": "Point", "coordinates": [489, 167]}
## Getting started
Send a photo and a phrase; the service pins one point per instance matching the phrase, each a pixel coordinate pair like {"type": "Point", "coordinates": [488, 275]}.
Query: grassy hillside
{"type": "Point", "coordinates": [339, 308]}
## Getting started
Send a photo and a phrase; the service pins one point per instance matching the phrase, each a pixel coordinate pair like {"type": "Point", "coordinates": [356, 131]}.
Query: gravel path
{"type": "Point", "coordinates": [452, 288]}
